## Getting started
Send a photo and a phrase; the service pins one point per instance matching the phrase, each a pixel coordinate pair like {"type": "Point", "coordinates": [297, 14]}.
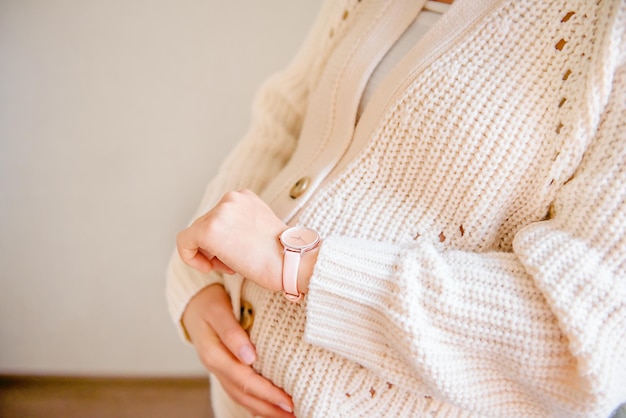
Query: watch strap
{"type": "Point", "coordinates": [291, 264]}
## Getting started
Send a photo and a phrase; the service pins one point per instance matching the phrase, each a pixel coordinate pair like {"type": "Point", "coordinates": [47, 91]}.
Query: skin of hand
{"type": "Point", "coordinates": [226, 351]}
{"type": "Point", "coordinates": [240, 234]}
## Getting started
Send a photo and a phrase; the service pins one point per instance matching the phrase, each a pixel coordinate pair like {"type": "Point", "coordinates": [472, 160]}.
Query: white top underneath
{"type": "Point", "coordinates": [426, 18]}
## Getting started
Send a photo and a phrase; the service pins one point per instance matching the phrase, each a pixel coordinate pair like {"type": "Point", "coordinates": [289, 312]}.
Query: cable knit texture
{"type": "Point", "coordinates": [474, 254]}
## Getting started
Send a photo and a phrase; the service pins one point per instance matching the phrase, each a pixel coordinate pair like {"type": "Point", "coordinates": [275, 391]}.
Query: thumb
{"type": "Point", "coordinates": [222, 319]}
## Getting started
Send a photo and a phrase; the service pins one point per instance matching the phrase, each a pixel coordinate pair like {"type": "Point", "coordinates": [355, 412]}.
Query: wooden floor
{"type": "Point", "coordinates": [77, 397]}
{"type": "Point", "coordinates": [68, 397]}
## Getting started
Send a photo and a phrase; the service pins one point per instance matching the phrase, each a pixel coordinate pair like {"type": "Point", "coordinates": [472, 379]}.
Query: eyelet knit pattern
{"type": "Point", "coordinates": [474, 253]}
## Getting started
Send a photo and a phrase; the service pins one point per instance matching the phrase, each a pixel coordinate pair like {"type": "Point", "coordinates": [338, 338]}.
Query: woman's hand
{"type": "Point", "coordinates": [226, 351]}
{"type": "Point", "coordinates": [240, 234]}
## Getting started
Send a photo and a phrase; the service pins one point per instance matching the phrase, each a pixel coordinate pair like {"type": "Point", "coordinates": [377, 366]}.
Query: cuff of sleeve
{"type": "Point", "coordinates": [348, 293]}
{"type": "Point", "coordinates": [183, 283]}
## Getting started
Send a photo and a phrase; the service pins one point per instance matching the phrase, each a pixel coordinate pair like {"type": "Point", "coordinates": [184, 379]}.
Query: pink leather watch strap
{"type": "Point", "coordinates": [296, 241]}
{"type": "Point", "coordinates": [290, 275]}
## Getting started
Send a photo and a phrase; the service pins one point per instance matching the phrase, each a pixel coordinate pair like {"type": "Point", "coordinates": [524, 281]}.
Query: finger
{"type": "Point", "coordinates": [218, 265]}
{"type": "Point", "coordinates": [189, 251]}
{"type": "Point", "coordinates": [221, 267]}
{"type": "Point", "coordinates": [221, 319]}
{"type": "Point", "coordinates": [241, 382]}
{"type": "Point", "coordinates": [213, 302]}
{"type": "Point", "coordinates": [259, 395]}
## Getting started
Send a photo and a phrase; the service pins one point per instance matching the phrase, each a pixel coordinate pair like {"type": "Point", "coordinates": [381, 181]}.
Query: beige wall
{"type": "Point", "coordinates": [113, 115]}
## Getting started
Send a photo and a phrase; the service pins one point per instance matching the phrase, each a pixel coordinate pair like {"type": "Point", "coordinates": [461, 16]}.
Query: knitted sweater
{"type": "Point", "coordinates": [474, 217]}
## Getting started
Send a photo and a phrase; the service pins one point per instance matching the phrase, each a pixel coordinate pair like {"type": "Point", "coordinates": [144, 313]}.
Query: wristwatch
{"type": "Point", "coordinates": [296, 241]}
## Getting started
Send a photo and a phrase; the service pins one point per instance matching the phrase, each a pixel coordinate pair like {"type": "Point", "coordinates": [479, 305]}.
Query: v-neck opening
{"type": "Point", "coordinates": [424, 20]}
{"type": "Point", "coordinates": [461, 17]}
{"type": "Point", "coordinates": [330, 137]}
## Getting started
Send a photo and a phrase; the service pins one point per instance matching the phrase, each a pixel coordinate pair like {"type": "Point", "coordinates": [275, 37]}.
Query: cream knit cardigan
{"type": "Point", "coordinates": [474, 219]}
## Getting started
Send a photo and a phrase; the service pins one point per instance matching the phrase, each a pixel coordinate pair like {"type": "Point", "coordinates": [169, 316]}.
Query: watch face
{"type": "Point", "coordinates": [299, 238]}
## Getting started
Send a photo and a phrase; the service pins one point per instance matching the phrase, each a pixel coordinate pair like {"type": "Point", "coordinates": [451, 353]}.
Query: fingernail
{"type": "Point", "coordinates": [246, 354]}
{"type": "Point", "coordinates": [285, 407]}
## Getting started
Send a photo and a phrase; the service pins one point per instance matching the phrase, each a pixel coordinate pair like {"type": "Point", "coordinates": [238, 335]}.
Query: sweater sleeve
{"type": "Point", "coordinates": [540, 330]}
{"type": "Point", "coordinates": [277, 114]}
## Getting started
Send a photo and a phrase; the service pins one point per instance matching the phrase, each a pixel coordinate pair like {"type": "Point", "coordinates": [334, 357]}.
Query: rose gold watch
{"type": "Point", "coordinates": [296, 241]}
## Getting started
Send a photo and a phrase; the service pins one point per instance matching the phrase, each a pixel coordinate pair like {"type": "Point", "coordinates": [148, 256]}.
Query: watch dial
{"type": "Point", "coordinates": [299, 237]}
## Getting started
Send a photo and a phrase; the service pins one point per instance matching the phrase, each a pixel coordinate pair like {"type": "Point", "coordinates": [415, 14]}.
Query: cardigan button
{"type": "Point", "coordinates": [246, 317]}
{"type": "Point", "coordinates": [299, 187]}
